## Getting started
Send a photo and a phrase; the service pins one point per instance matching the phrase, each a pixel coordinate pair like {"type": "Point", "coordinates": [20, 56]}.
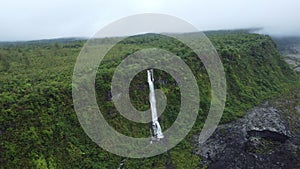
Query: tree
{"type": "Point", "coordinates": [4, 61]}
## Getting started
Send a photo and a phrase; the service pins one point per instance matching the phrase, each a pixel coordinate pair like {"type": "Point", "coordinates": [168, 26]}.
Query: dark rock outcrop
{"type": "Point", "coordinates": [262, 139]}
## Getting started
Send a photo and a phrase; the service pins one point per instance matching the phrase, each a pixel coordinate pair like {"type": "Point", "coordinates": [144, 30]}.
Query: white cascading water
{"type": "Point", "coordinates": [157, 133]}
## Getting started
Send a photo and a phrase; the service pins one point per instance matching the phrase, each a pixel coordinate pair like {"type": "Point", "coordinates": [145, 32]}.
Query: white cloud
{"type": "Point", "coordinates": [38, 19]}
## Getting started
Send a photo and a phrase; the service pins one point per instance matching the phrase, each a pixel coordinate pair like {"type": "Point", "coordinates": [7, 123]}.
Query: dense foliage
{"type": "Point", "coordinates": [39, 127]}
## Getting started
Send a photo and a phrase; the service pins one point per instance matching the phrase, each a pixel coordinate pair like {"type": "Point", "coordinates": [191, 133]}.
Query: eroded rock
{"type": "Point", "coordinates": [261, 139]}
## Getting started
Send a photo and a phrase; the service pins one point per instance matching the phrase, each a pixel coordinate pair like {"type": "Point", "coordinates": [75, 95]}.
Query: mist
{"type": "Point", "coordinates": [35, 19]}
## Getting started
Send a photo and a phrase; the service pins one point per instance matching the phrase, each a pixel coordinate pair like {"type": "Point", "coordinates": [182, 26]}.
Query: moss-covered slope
{"type": "Point", "coordinates": [39, 128]}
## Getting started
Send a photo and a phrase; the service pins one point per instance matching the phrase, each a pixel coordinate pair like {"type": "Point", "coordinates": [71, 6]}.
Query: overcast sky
{"type": "Point", "coordinates": [46, 19]}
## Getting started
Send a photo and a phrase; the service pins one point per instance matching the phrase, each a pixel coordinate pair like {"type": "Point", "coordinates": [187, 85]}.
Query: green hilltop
{"type": "Point", "coordinates": [39, 127]}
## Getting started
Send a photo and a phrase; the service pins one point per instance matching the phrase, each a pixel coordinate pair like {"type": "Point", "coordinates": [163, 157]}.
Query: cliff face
{"type": "Point", "coordinates": [266, 137]}
{"type": "Point", "coordinates": [39, 127]}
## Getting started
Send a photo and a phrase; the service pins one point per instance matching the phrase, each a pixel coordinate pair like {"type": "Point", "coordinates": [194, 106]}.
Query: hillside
{"type": "Point", "coordinates": [39, 127]}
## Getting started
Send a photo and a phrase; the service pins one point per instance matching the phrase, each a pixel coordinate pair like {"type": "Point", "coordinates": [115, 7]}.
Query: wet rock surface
{"type": "Point", "coordinates": [262, 139]}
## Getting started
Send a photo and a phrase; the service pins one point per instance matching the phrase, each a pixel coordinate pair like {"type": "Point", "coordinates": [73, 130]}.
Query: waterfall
{"type": "Point", "coordinates": [157, 133]}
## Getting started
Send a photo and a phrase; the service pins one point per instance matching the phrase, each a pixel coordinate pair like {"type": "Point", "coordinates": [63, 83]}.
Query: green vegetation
{"type": "Point", "coordinates": [289, 105]}
{"type": "Point", "coordinates": [39, 128]}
